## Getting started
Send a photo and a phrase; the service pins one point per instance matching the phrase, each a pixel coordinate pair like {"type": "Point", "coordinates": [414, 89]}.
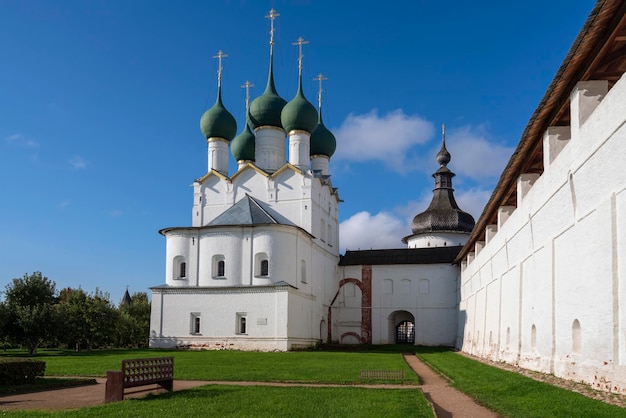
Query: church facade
{"type": "Point", "coordinates": [538, 281]}
{"type": "Point", "coordinates": [259, 268]}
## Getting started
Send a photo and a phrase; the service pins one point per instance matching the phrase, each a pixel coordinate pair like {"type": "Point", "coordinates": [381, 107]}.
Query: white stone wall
{"type": "Point", "coordinates": [547, 290]}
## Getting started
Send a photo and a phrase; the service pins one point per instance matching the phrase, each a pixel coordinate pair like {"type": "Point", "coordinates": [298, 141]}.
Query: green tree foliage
{"type": "Point", "coordinates": [134, 325]}
{"type": "Point", "coordinates": [33, 313]}
{"type": "Point", "coordinates": [87, 320]}
{"type": "Point", "coordinates": [31, 304]}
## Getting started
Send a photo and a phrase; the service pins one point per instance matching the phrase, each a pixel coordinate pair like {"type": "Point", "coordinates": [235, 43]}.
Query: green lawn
{"type": "Point", "coordinates": [262, 401]}
{"type": "Point", "coordinates": [299, 366]}
{"type": "Point", "coordinates": [511, 394]}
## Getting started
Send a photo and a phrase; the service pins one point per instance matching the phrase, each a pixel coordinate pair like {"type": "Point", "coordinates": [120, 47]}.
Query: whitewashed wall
{"type": "Point", "coordinates": [548, 290]}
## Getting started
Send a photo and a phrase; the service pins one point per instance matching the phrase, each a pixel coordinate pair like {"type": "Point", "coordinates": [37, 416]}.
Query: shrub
{"type": "Point", "coordinates": [20, 371]}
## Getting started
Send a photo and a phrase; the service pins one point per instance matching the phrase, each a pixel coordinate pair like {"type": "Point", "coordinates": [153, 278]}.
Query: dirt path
{"type": "Point", "coordinates": [447, 402]}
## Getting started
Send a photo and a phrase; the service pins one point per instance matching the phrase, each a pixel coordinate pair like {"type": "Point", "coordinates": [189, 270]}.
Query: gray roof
{"type": "Point", "coordinates": [429, 255]}
{"type": "Point", "coordinates": [248, 211]}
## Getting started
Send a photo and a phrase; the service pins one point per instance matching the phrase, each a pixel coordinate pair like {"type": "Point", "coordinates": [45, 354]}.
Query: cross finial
{"type": "Point", "coordinates": [320, 77]}
{"type": "Point", "coordinates": [247, 86]}
{"type": "Point", "coordinates": [443, 133]}
{"type": "Point", "coordinates": [300, 42]}
{"type": "Point", "coordinates": [273, 15]}
{"type": "Point", "coordinates": [219, 57]}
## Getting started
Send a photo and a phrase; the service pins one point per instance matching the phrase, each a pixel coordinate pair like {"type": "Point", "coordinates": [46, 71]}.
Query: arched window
{"type": "Point", "coordinates": [241, 322]}
{"type": "Point", "coordinates": [261, 265]}
{"type": "Point", "coordinates": [179, 268]}
{"type": "Point", "coordinates": [195, 323]}
{"type": "Point", "coordinates": [219, 266]}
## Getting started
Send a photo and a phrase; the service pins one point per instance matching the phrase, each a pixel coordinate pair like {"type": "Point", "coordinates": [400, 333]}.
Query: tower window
{"type": "Point", "coordinates": [219, 266]}
{"type": "Point", "coordinates": [179, 268]}
{"type": "Point", "coordinates": [261, 265]}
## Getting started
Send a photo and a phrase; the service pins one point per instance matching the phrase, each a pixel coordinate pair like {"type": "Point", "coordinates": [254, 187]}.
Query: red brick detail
{"type": "Point", "coordinates": [366, 305]}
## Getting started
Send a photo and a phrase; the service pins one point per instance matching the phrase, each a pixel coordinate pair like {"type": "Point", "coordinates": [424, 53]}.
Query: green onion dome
{"type": "Point", "coordinates": [218, 122]}
{"type": "Point", "coordinates": [242, 147]}
{"type": "Point", "coordinates": [323, 141]}
{"type": "Point", "coordinates": [299, 113]}
{"type": "Point", "coordinates": [265, 110]}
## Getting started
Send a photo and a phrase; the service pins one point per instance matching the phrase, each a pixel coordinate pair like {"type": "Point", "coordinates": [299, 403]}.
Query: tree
{"type": "Point", "coordinates": [30, 301]}
{"type": "Point", "coordinates": [134, 328]}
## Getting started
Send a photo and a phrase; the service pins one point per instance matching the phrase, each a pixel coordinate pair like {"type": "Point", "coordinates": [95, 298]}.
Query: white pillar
{"type": "Point", "coordinates": [299, 149]}
{"type": "Point", "coordinates": [320, 162]}
{"type": "Point", "coordinates": [218, 155]}
{"type": "Point", "coordinates": [270, 148]}
{"type": "Point", "coordinates": [554, 140]}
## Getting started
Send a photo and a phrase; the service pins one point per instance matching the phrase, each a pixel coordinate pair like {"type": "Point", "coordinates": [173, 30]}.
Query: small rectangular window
{"type": "Point", "coordinates": [242, 326]}
{"type": "Point", "coordinates": [265, 268]}
{"type": "Point", "coordinates": [195, 323]}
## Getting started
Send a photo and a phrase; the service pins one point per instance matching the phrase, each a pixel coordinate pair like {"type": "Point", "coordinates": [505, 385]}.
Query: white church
{"type": "Point", "coordinates": [537, 281]}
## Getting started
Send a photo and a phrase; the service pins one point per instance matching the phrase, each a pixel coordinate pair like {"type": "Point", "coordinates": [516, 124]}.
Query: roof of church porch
{"type": "Point", "coordinates": [248, 211]}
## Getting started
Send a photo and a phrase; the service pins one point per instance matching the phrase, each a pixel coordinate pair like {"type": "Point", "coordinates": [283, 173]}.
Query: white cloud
{"type": "Point", "coordinates": [78, 163]}
{"type": "Point", "coordinates": [364, 231]}
{"type": "Point", "coordinates": [115, 213]}
{"type": "Point", "coordinates": [388, 138]}
{"type": "Point", "coordinates": [63, 204]}
{"type": "Point", "coordinates": [21, 140]}
{"type": "Point", "coordinates": [473, 201]}
{"type": "Point", "coordinates": [474, 155]}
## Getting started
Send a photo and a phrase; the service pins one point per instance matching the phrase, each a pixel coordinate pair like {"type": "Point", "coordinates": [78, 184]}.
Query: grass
{"type": "Point", "coordinates": [263, 401]}
{"type": "Point", "coordinates": [511, 394]}
{"type": "Point", "coordinates": [300, 366]}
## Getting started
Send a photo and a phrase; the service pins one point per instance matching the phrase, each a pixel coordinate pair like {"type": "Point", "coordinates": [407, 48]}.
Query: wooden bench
{"type": "Point", "coordinates": [139, 372]}
{"type": "Point", "coordinates": [382, 375]}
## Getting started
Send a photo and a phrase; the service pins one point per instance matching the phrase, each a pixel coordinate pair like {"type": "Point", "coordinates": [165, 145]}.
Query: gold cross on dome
{"type": "Point", "coordinates": [320, 77]}
{"type": "Point", "coordinates": [247, 85]}
{"type": "Point", "coordinates": [300, 42]}
{"type": "Point", "coordinates": [273, 15]}
{"type": "Point", "coordinates": [219, 57]}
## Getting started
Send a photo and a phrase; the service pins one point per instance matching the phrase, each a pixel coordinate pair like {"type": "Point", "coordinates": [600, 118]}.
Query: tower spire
{"type": "Point", "coordinates": [443, 156]}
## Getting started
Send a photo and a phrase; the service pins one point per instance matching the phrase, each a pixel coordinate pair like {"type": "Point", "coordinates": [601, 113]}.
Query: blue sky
{"type": "Point", "coordinates": [101, 101]}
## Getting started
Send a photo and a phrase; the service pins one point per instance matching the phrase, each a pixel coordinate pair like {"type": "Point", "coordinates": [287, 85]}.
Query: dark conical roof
{"type": "Point", "coordinates": [443, 214]}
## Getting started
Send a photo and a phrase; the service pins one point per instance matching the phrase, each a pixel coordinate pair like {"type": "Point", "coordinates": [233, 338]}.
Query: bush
{"type": "Point", "coordinates": [20, 371]}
